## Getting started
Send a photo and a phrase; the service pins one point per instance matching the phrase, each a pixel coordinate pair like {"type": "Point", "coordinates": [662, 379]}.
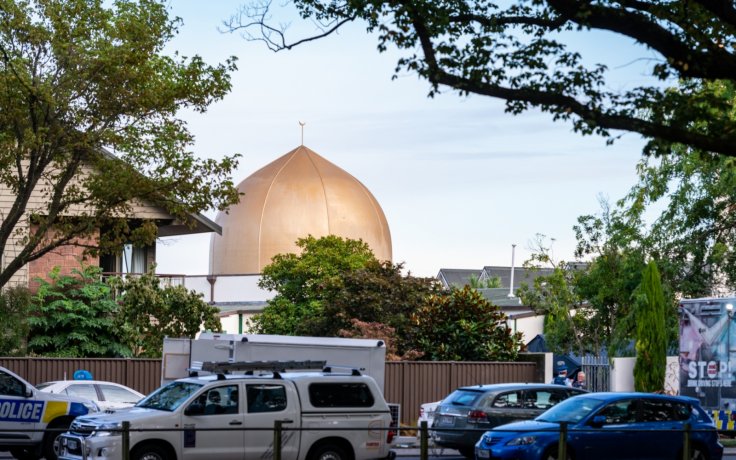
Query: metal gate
{"type": "Point", "coordinates": [597, 372]}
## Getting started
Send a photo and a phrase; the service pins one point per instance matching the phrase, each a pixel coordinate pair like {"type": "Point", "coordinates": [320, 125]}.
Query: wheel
{"type": "Point", "coordinates": [151, 451]}
{"type": "Point", "coordinates": [467, 452]}
{"type": "Point", "coordinates": [698, 454]}
{"type": "Point", "coordinates": [329, 452]}
{"type": "Point", "coordinates": [50, 445]}
{"type": "Point", "coordinates": [551, 454]}
{"type": "Point", "coordinates": [23, 454]}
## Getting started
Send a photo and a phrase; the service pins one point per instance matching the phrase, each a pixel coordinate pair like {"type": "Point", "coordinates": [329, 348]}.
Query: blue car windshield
{"type": "Point", "coordinates": [571, 410]}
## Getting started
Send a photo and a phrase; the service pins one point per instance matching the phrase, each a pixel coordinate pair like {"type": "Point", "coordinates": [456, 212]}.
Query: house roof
{"type": "Point", "coordinates": [173, 226]}
{"type": "Point", "coordinates": [457, 277]}
{"type": "Point", "coordinates": [521, 275]}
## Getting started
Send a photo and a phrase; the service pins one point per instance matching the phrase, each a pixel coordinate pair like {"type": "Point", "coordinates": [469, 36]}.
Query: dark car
{"type": "Point", "coordinates": [467, 412]}
{"type": "Point", "coordinates": [609, 426]}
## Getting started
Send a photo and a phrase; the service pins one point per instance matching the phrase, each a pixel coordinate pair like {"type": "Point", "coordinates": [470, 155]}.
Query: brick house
{"type": "Point", "coordinates": [129, 260]}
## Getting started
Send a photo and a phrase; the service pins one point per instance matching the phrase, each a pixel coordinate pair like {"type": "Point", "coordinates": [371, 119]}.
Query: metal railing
{"type": "Point", "coordinates": [424, 436]}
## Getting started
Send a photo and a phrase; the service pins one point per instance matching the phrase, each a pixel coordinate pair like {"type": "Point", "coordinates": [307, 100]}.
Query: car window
{"type": "Point", "coordinates": [217, 401]}
{"type": "Point", "coordinates": [619, 412]}
{"type": "Point", "coordinates": [508, 400]}
{"type": "Point", "coordinates": [82, 390]}
{"type": "Point", "coordinates": [116, 394]}
{"type": "Point", "coordinates": [462, 398]}
{"type": "Point", "coordinates": [265, 398]}
{"type": "Point", "coordinates": [340, 395]}
{"type": "Point", "coordinates": [10, 386]}
{"type": "Point", "coordinates": [541, 399]}
{"type": "Point", "coordinates": [664, 411]}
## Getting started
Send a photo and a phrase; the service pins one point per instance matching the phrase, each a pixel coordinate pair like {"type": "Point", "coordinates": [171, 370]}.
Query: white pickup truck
{"type": "Point", "coordinates": [326, 415]}
{"type": "Point", "coordinates": [25, 412]}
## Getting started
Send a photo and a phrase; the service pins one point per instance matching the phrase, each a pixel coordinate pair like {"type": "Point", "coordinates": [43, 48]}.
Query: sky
{"type": "Point", "coordinates": [458, 179]}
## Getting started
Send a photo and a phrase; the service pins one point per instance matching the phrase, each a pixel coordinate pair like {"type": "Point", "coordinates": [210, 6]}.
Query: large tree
{"type": "Point", "coordinates": [303, 281]}
{"type": "Point", "coordinates": [79, 76]}
{"type": "Point", "coordinates": [461, 325]}
{"type": "Point", "coordinates": [523, 52]}
{"type": "Point", "coordinates": [651, 334]}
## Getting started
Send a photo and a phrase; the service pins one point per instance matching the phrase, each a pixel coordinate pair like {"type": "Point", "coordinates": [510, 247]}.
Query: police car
{"type": "Point", "coordinates": [25, 412]}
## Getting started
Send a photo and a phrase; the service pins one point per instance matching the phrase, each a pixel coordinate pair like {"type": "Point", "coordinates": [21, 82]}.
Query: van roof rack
{"type": "Point", "coordinates": [226, 367]}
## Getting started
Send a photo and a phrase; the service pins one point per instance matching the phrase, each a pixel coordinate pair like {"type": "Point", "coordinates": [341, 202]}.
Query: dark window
{"type": "Point", "coordinates": [512, 400]}
{"type": "Point", "coordinates": [620, 412]}
{"type": "Point", "coordinates": [266, 398]}
{"type": "Point", "coordinates": [10, 386]}
{"type": "Point", "coordinates": [340, 395]}
{"type": "Point", "coordinates": [653, 410]}
{"type": "Point", "coordinates": [462, 398]}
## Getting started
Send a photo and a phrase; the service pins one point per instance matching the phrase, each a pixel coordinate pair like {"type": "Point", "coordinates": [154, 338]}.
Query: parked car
{"type": "Point", "coordinates": [466, 413]}
{"type": "Point", "coordinates": [426, 413]}
{"type": "Point", "coordinates": [107, 395]}
{"type": "Point", "coordinates": [609, 426]}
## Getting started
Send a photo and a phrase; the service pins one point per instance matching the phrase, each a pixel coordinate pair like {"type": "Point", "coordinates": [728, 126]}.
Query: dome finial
{"type": "Point", "coordinates": [302, 125]}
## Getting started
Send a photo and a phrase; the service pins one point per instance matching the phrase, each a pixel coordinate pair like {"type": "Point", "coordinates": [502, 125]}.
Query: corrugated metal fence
{"type": "Point", "coordinates": [408, 383]}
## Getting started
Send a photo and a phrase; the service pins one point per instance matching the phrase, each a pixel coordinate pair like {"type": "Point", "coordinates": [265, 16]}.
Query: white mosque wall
{"type": "Point", "coordinates": [228, 288]}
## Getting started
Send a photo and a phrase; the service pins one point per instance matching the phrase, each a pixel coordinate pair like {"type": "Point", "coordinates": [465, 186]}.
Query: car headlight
{"type": "Point", "coordinates": [109, 429]}
{"type": "Point", "coordinates": [522, 441]}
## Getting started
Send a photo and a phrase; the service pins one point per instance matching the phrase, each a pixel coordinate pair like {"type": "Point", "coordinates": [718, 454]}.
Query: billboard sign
{"type": "Point", "coordinates": [707, 343]}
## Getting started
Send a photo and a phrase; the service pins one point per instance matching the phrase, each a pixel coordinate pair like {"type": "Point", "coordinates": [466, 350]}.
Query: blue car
{"type": "Point", "coordinates": [608, 426]}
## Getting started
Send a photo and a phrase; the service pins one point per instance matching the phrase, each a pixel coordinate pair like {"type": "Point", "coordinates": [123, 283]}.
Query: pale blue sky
{"type": "Point", "coordinates": [458, 179]}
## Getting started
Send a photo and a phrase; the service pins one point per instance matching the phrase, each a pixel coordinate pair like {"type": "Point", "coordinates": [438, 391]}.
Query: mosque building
{"type": "Point", "coordinates": [299, 194]}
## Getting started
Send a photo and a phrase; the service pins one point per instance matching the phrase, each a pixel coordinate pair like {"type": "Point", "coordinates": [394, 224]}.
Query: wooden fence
{"type": "Point", "coordinates": [407, 383]}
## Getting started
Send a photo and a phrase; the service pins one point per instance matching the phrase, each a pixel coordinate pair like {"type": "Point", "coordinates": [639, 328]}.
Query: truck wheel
{"type": "Point", "coordinates": [151, 451]}
{"type": "Point", "coordinates": [51, 438]}
{"type": "Point", "coordinates": [329, 452]}
{"type": "Point", "coordinates": [23, 454]}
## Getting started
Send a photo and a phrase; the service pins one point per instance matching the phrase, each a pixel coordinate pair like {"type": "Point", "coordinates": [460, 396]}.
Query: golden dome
{"type": "Point", "coordinates": [297, 195]}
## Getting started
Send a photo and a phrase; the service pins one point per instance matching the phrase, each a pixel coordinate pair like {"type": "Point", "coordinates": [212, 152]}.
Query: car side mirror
{"type": "Point", "coordinates": [598, 421]}
{"type": "Point", "coordinates": [194, 409]}
{"type": "Point", "coordinates": [29, 392]}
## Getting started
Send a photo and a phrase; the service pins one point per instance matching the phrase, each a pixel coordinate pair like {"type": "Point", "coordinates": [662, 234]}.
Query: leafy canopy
{"type": "Point", "coordinates": [15, 305]}
{"type": "Point", "coordinates": [75, 316]}
{"type": "Point", "coordinates": [79, 76]}
{"type": "Point", "coordinates": [303, 281]}
{"type": "Point", "coordinates": [462, 325]}
{"type": "Point", "coordinates": [524, 52]}
{"type": "Point", "coordinates": [149, 312]}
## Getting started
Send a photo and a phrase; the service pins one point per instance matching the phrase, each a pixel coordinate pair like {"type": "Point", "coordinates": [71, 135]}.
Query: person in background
{"type": "Point", "coordinates": [580, 381]}
{"type": "Point", "coordinates": [561, 378]}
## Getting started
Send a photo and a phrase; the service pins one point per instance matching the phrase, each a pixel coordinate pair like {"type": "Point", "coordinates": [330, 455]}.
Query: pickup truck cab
{"type": "Point", "coordinates": [325, 415]}
{"type": "Point", "coordinates": [25, 412]}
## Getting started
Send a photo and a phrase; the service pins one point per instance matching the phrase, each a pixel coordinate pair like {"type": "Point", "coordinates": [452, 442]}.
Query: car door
{"type": "Point", "coordinates": [208, 421]}
{"type": "Point", "coordinates": [17, 411]}
{"type": "Point", "coordinates": [615, 437]}
{"type": "Point", "coordinates": [662, 422]}
{"type": "Point", "coordinates": [505, 408]}
{"type": "Point", "coordinates": [266, 403]}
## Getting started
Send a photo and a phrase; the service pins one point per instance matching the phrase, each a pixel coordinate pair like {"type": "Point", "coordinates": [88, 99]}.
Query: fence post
{"type": "Point", "coordinates": [562, 446]}
{"type": "Point", "coordinates": [277, 439]}
{"type": "Point", "coordinates": [126, 440]}
{"type": "Point", "coordinates": [423, 441]}
{"type": "Point", "coordinates": [686, 442]}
